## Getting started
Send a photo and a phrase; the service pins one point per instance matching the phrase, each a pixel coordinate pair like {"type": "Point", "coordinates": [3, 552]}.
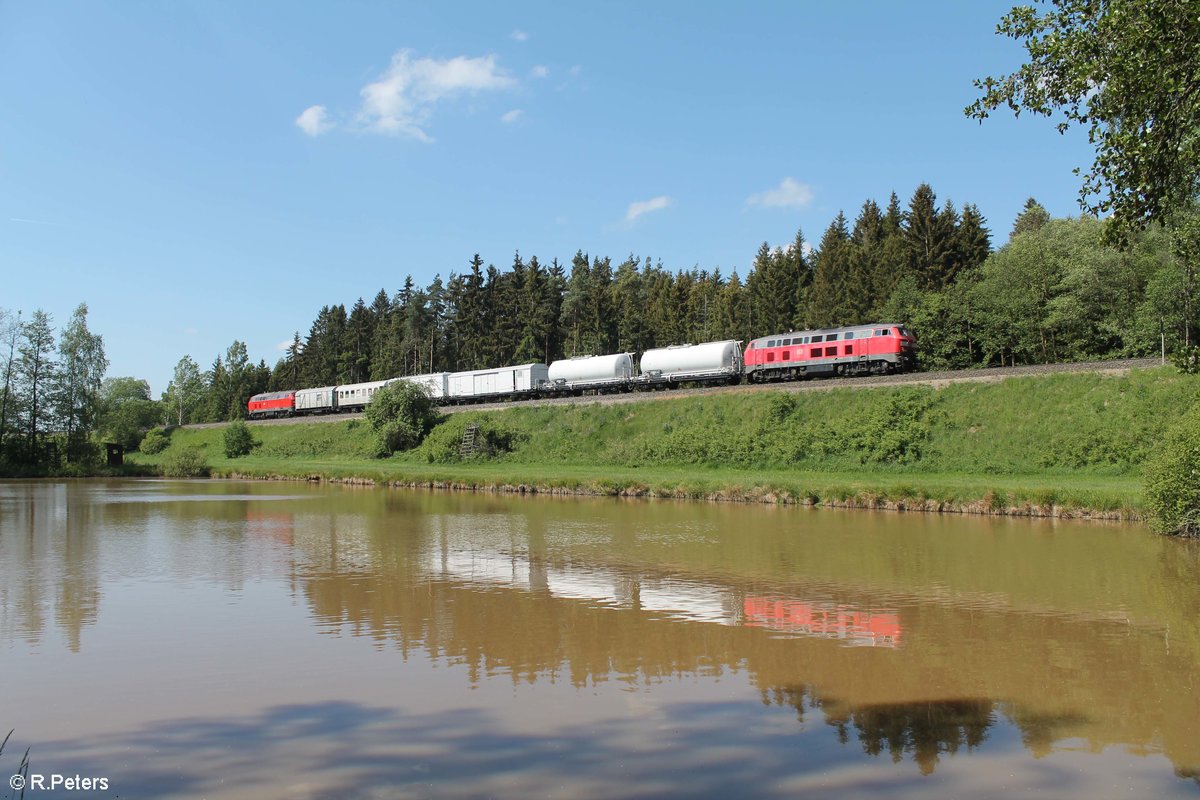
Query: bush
{"type": "Point", "coordinates": [401, 413]}
{"type": "Point", "coordinates": [186, 462]}
{"type": "Point", "coordinates": [238, 439]}
{"type": "Point", "coordinates": [1187, 360]}
{"type": "Point", "coordinates": [1172, 479]}
{"type": "Point", "coordinates": [154, 442]}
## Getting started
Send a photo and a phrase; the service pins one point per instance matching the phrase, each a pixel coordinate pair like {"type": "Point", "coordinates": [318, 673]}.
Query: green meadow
{"type": "Point", "coordinates": [1066, 443]}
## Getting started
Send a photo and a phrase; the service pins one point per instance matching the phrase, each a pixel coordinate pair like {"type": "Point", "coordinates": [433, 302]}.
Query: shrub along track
{"type": "Point", "coordinates": [935, 379]}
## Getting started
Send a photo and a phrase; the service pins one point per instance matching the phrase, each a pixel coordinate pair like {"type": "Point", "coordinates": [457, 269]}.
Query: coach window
{"type": "Point", "coordinates": [849, 335]}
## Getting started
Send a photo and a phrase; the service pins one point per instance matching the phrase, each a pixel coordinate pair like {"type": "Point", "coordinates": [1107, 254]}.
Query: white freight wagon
{"type": "Point", "coordinates": [497, 383]}
{"type": "Point", "coordinates": [592, 371]}
{"type": "Point", "coordinates": [693, 362]}
{"type": "Point", "coordinates": [315, 401]}
{"type": "Point", "coordinates": [434, 383]}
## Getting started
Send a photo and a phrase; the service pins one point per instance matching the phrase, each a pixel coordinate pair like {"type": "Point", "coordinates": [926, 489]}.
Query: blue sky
{"type": "Point", "coordinates": [199, 172]}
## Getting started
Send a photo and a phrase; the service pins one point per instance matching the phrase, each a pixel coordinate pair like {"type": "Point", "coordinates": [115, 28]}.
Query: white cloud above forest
{"type": "Point", "coordinates": [788, 194]}
{"type": "Point", "coordinates": [314, 121]}
{"type": "Point", "coordinates": [511, 116]}
{"type": "Point", "coordinates": [641, 207]}
{"type": "Point", "coordinates": [540, 71]}
{"type": "Point", "coordinates": [402, 100]}
{"type": "Point", "coordinates": [519, 35]}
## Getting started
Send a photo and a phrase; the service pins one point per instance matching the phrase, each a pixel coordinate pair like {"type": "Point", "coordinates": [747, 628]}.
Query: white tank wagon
{"type": "Point", "coordinates": [517, 381]}
{"type": "Point", "coordinates": [588, 372]}
{"type": "Point", "coordinates": [316, 401]}
{"type": "Point", "coordinates": [708, 361]}
{"type": "Point", "coordinates": [434, 383]}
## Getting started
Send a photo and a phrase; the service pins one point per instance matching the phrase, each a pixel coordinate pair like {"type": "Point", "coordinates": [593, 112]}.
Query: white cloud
{"type": "Point", "coordinates": [788, 194]}
{"type": "Point", "coordinates": [284, 346]}
{"type": "Point", "coordinates": [519, 35]}
{"type": "Point", "coordinates": [574, 71]}
{"type": "Point", "coordinates": [540, 71]}
{"type": "Point", "coordinates": [641, 207]}
{"type": "Point", "coordinates": [511, 116]}
{"type": "Point", "coordinates": [402, 100]}
{"type": "Point", "coordinates": [314, 121]}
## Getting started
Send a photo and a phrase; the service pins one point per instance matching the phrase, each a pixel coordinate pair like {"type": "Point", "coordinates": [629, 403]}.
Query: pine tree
{"type": "Point", "coordinates": [356, 343]}
{"type": "Point", "coordinates": [829, 301]}
{"type": "Point", "coordinates": [436, 318]}
{"type": "Point", "coordinates": [866, 262]}
{"type": "Point", "coordinates": [944, 270]}
{"type": "Point", "coordinates": [974, 240]}
{"type": "Point", "coordinates": [894, 264]}
{"type": "Point", "coordinates": [927, 237]}
{"type": "Point", "coordinates": [1031, 218]}
{"type": "Point", "coordinates": [575, 303]}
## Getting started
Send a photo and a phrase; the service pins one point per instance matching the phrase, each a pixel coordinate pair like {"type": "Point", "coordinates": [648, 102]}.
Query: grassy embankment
{"type": "Point", "coordinates": [1046, 444]}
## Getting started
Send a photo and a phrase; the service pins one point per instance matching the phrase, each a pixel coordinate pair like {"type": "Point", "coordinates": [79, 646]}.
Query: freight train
{"type": "Point", "coordinates": [856, 350]}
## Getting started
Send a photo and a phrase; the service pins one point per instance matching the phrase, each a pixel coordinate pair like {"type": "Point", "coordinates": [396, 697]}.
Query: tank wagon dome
{"type": "Point", "coordinates": [693, 359]}
{"type": "Point", "coordinates": [592, 369]}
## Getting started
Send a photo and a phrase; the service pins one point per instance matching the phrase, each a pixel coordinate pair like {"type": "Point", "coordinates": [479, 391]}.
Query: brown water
{"type": "Point", "coordinates": [241, 640]}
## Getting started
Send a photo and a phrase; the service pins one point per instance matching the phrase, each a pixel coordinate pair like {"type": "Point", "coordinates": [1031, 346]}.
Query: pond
{"type": "Point", "coordinates": [227, 639]}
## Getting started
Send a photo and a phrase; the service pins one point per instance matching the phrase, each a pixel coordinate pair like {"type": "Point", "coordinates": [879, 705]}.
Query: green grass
{"type": "Point", "coordinates": [1069, 440]}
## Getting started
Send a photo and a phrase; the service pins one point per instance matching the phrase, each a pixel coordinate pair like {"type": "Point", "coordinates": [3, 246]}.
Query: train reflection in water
{"type": "Point", "coordinates": [826, 620]}
{"type": "Point", "coordinates": [672, 598]}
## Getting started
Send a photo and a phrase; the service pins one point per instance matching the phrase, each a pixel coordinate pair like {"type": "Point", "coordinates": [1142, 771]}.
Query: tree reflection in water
{"type": "Point", "coordinates": [927, 730]}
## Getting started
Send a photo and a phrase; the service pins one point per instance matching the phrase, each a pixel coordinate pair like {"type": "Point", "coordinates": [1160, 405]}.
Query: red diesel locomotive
{"type": "Point", "coordinates": [856, 350]}
{"type": "Point", "coordinates": [272, 404]}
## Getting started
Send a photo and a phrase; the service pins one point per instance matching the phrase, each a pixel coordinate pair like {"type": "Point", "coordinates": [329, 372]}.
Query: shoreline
{"type": "Point", "coordinates": [990, 505]}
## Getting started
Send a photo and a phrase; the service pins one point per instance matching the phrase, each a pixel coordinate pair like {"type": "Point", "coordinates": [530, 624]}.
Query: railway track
{"type": "Point", "coordinates": [941, 378]}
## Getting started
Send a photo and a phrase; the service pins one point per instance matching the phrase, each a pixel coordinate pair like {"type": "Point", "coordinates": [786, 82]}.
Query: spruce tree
{"type": "Point", "coordinates": [829, 299]}
{"type": "Point", "coordinates": [1031, 218]}
{"type": "Point", "coordinates": [974, 240]}
{"type": "Point", "coordinates": [927, 238]}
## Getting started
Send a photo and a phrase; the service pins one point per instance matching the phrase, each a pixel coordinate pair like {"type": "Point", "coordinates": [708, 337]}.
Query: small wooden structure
{"type": "Point", "coordinates": [470, 441]}
{"type": "Point", "coordinates": [116, 454]}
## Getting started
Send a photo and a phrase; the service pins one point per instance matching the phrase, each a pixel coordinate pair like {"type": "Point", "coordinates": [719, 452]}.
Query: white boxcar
{"type": "Point", "coordinates": [693, 362]}
{"type": "Point", "coordinates": [315, 401]}
{"type": "Point", "coordinates": [357, 395]}
{"type": "Point", "coordinates": [434, 383]}
{"type": "Point", "coordinates": [592, 370]}
{"type": "Point", "coordinates": [499, 382]}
